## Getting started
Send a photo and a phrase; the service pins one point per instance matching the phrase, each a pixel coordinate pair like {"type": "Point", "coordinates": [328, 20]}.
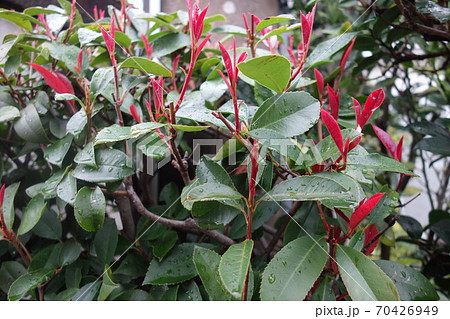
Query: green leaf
{"type": "Point", "coordinates": [86, 155]}
{"type": "Point", "coordinates": [113, 133]}
{"type": "Point", "coordinates": [435, 144]}
{"type": "Point", "coordinates": [156, 20]}
{"type": "Point", "coordinates": [234, 266]}
{"type": "Point", "coordinates": [377, 162]}
{"type": "Point", "coordinates": [46, 258]}
{"type": "Point", "coordinates": [19, 19]}
{"type": "Point", "coordinates": [77, 122]}
{"type": "Point", "coordinates": [143, 128]}
{"type": "Point", "coordinates": [67, 97]}
{"type": "Point", "coordinates": [49, 187]}
{"type": "Point", "coordinates": [108, 285]}
{"type": "Point", "coordinates": [145, 65]}
{"type": "Point", "coordinates": [411, 226]}
{"type": "Point", "coordinates": [364, 280]}
{"type": "Point", "coordinates": [213, 89]}
{"type": "Point", "coordinates": [101, 79]}
{"type": "Point", "coordinates": [410, 283]}
{"type": "Point", "coordinates": [289, 114]}
{"type": "Point", "coordinates": [49, 226]}
{"type": "Point", "coordinates": [189, 128]}
{"type": "Point", "coordinates": [272, 71]}
{"type": "Point", "coordinates": [70, 252]}
{"type": "Point", "coordinates": [273, 20]}
{"type": "Point", "coordinates": [153, 146]}
{"type": "Point", "coordinates": [105, 242]}
{"type": "Point", "coordinates": [9, 272]}
{"type": "Point", "coordinates": [294, 269]}
{"type": "Point", "coordinates": [442, 229]}
{"type": "Point", "coordinates": [207, 264]}
{"type": "Point", "coordinates": [325, 50]}
{"type": "Point", "coordinates": [170, 43]}
{"type": "Point", "coordinates": [56, 152]}
{"type": "Point", "coordinates": [68, 54]}
{"type": "Point", "coordinates": [111, 166]}
{"type": "Point", "coordinates": [87, 292]}
{"type": "Point", "coordinates": [210, 192]}
{"type": "Point", "coordinates": [8, 113]}
{"type": "Point", "coordinates": [230, 29]}
{"type": "Point", "coordinates": [176, 267]}
{"type": "Point", "coordinates": [32, 214]}
{"type": "Point", "coordinates": [189, 292]}
{"type": "Point", "coordinates": [28, 282]}
{"type": "Point", "coordinates": [29, 126]}
{"type": "Point", "coordinates": [89, 208]}
{"type": "Point", "coordinates": [33, 11]}
{"type": "Point", "coordinates": [324, 292]}
{"type": "Point", "coordinates": [67, 189]}
{"type": "Point", "coordinates": [437, 11]}
{"type": "Point", "coordinates": [8, 204]}
{"type": "Point", "coordinates": [308, 188]}
{"type": "Point", "coordinates": [164, 243]}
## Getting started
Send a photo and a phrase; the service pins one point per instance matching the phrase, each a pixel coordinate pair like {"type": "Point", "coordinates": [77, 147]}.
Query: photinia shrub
{"type": "Point", "coordinates": [107, 194]}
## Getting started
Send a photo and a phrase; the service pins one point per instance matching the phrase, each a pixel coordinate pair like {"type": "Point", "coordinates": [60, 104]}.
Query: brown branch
{"type": "Point", "coordinates": [187, 225]}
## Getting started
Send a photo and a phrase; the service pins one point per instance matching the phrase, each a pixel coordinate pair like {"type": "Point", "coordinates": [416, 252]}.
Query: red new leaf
{"type": "Point", "coordinates": [134, 113]}
{"type": "Point", "coordinates": [333, 98]}
{"type": "Point", "coordinates": [227, 61]}
{"type": "Point", "coordinates": [370, 233]}
{"type": "Point", "coordinates": [333, 128]}
{"type": "Point", "coordinates": [2, 195]}
{"type": "Point", "coordinates": [345, 56]}
{"type": "Point", "coordinates": [363, 210]}
{"type": "Point", "coordinates": [148, 48]}
{"type": "Point", "coordinates": [399, 150]}
{"type": "Point", "coordinates": [319, 82]}
{"type": "Point", "coordinates": [372, 103]}
{"type": "Point", "coordinates": [386, 140]}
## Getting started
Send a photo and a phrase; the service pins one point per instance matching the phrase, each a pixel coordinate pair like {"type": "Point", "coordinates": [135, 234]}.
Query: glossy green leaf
{"type": "Point", "coordinates": [145, 65]}
{"type": "Point", "coordinates": [78, 121]}
{"type": "Point", "coordinates": [143, 128]}
{"type": "Point", "coordinates": [105, 242]}
{"type": "Point", "coordinates": [113, 134]}
{"type": "Point", "coordinates": [19, 19]}
{"type": "Point", "coordinates": [435, 144]}
{"type": "Point", "coordinates": [273, 20]}
{"type": "Point", "coordinates": [89, 208]}
{"type": "Point", "coordinates": [70, 252]}
{"type": "Point", "coordinates": [108, 285]}
{"type": "Point", "coordinates": [67, 189]}
{"type": "Point", "coordinates": [271, 71]}
{"type": "Point", "coordinates": [49, 187]}
{"type": "Point", "coordinates": [207, 264]}
{"type": "Point", "coordinates": [410, 225]}
{"type": "Point", "coordinates": [189, 292]}
{"type": "Point", "coordinates": [326, 49]}
{"type": "Point", "coordinates": [46, 258]}
{"type": "Point", "coordinates": [33, 11]}
{"type": "Point", "coordinates": [213, 89]}
{"type": "Point", "coordinates": [234, 266]}
{"type": "Point", "coordinates": [8, 113]}
{"type": "Point", "coordinates": [56, 152]}
{"type": "Point", "coordinates": [378, 162]}
{"type": "Point", "coordinates": [189, 128]}
{"type": "Point", "coordinates": [176, 267]}
{"type": "Point", "coordinates": [27, 282]}
{"type": "Point", "coordinates": [49, 226]}
{"type": "Point", "coordinates": [29, 126]}
{"type": "Point", "coordinates": [410, 283]}
{"type": "Point", "coordinates": [230, 29]}
{"type": "Point", "coordinates": [289, 114]}
{"type": "Point", "coordinates": [9, 272]}
{"type": "Point", "coordinates": [210, 192]}
{"type": "Point", "coordinates": [101, 78]}
{"type": "Point", "coordinates": [364, 280]}
{"type": "Point", "coordinates": [442, 229]}
{"type": "Point", "coordinates": [111, 166]}
{"type": "Point", "coordinates": [157, 21]}
{"type": "Point", "coordinates": [153, 146]}
{"type": "Point", "coordinates": [430, 7]}
{"type": "Point", "coordinates": [294, 269]}
{"type": "Point", "coordinates": [164, 243]}
{"type": "Point", "coordinates": [87, 292]}
{"type": "Point", "coordinates": [324, 292]}
{"type": "Point", "coordinates": [8, 204]}
{"type": "Point", "coordinates": [307, 188]}
{"type": "Point", "coordinates": [170, 43]}
{"type": "Point", "coordinates": [32, 214]}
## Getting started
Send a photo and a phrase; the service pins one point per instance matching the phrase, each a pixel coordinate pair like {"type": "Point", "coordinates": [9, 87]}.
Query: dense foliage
{"type": "Point", "coordinates": [102, 123]}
